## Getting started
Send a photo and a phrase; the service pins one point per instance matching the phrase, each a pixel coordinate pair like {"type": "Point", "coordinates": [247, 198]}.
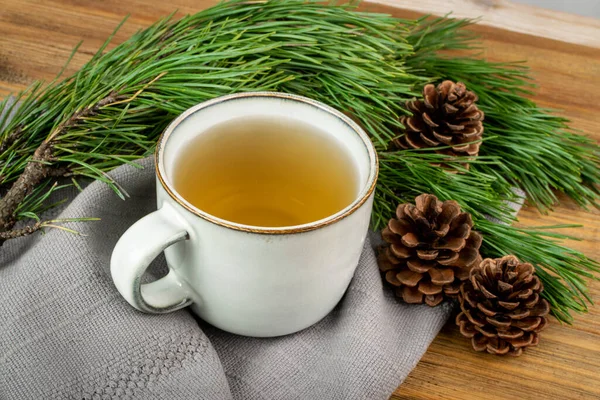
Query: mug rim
{"type": "Point", "coordinates": [360, 199]}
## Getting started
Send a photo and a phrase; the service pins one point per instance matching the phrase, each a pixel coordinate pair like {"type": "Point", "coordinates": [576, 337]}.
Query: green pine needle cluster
{"type": "Point", "coordinates": [534, 149]}
{"type": "Point", "coordinates": [367, 65]}
{"type": "Point", "coordinates": [539, 153]}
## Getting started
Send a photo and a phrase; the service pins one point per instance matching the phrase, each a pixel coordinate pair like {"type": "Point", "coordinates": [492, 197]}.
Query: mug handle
{"type": "Point", "coordinates": [134, 252]}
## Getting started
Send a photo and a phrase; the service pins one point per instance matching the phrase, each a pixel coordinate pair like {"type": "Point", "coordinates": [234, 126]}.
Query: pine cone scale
{"type": "Point", "coordinates": [455, 244]}
{"type": "Point", "coordinates": [499, 348]}
{"type": "Point", "coordinates": [466, 258]}
{"type": "Point", "coordinates": [445, 139]}
{"type": "Point", "coordinates": [461, 147]}
{"type": "Point", "coordinates": [479, 345]}
{"type": "Point", "coordinates": [450, 210]}
{"type": "Point", "coordinates": [392, 257]}
{"type": "Point", "coordinates": [454, 127]}
{"type": "Point", "coordinates": [442, 230]}
{"type": "Point", "coordinates": [428, 141]}
{"type": "Point", "coordinates": [511, 334]}
{"type": "Point", "coordinates": [524, 341]}
{"type": "Point", "coordinates": [452, 289]}
{"type": "Point", "coordinates": [499, 322]}
{"type": "Point", "coordinates": [419, 266]}
{"type": "Point", "coordinates": [473, 149]}
{"type": "Point", "coordinates": [486, 331]}
{"type": "Point", "coordinates": [409, 278]}
{"type": "Point", "coordinates": [520, 314]}
{"type": "Point", "coordinates": [398, 228]}
{"type": "Point", "coordinates": [430, 96]}
{"type": "Point", "coordinates": [505, 287]}
{"type": "Point", "coordinates": [392, 278]}
{"type": "Point", "coordinates": [449, 109]}
{"type": "Point", "coordinates": [476, 322]}
{"type": "Point", "coordinates": [400, 251]}
{"type": "Point", "coordinates": [445, 259]}
{"type": "Point", "coordinates": [429, 288]}
{"type": "Point", "coordinates": [542, 308]}
{"type": "Point", "coordinates": [410, 295]}
{"type": "Point", "coordinates": [444, 89]}
{"type": "Point", "coordinates": [542, 326]}
{"type": "Point", "coordinates": [528, 324]}
{"type": "Point", "coordinates": [389, 236]}
{"type": "Point", "coordinates": [414, 142]}
{"type": "Point", "coordinates": [462, 273]}
{"type": "Point", "coordinates": [441, 277]}
{"type": "Point", "coordinates": [525, 294]}
{"type": "Point", "coordinates": [470, 134]}
{"type": "Point", "coordinates": [414, 124]}
{"type": "Point", "coordinates": [411, 240]}
{"type": "Point", "coordinates": [471, 112]}
{"type": "Point", "coordinates": [511, 306]}
{"type": "Point", "coordinates": [429, 121]}
{"type": "Point", "coordinates": [485, 310]}
{"type": "Point", "coordinates": [427, 255]}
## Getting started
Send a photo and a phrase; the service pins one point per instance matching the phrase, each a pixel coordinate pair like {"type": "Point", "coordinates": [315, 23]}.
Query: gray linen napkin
{"type": "Point", "coordinates": [66, 333]}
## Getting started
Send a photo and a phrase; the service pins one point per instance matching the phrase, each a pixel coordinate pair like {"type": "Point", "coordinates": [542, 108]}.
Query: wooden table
{"type": "Point", "coordinates": [37, 36]}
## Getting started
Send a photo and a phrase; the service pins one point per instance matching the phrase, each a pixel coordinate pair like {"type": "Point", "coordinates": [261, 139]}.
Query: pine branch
{"type": "Point", "coordinates": [11, 139]}
{"type": "Point", "coordinates": [58, 172]}
{"type": "Point", "coordinates": [80, 115]}
{"type": "Point", "coordinates": [171, 66]}
{"type": "Point", "coordinates": [16, 233]}
{"type": "Point", "coordinates": [408, 173]}
{"type": "Point", "coordinates": [36, 170]}
{"type": "Point", "coordinates": [40, 225]}
{"type": "Point", "coordinates": [39, 168]}
{"type": "Point", "coordinates": [555, 264]}
{"type": "Point", "coordinates": [559, 160]}
{"type": "Point", "coordinates": [367, 65]}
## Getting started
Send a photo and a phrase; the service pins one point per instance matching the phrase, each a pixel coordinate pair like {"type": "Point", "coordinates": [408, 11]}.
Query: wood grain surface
{"type": "Point", "coordinates": [511, 16]}
{"type": "Point", "coordinates": [37, 36]}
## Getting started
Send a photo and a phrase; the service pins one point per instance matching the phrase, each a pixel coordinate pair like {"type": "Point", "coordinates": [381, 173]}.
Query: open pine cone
{"type": "Point", "coordinates": [447, 116]}
{"type": "Point", "coordinates": [502, 311]}
{"type": "Point", "coordinates": [431, 250]}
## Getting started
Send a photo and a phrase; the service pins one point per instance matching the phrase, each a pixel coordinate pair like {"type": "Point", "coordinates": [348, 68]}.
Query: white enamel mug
{"type": "Point", "coordinates": [249, 280]}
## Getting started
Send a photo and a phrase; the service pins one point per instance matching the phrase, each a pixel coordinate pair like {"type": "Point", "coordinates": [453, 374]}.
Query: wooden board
{"type": "Point", "coordinates": [37, 36]}
{"type": "Point", "coordinates": [511, 16]}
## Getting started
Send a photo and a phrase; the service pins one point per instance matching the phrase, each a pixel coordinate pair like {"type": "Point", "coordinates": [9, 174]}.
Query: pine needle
{"type": "Point", "coordinates": [538, 151]}
{"type": "Point", "coordinates": [367, 65]}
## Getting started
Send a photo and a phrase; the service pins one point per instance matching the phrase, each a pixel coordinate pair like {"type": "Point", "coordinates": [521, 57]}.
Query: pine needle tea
{"type": "Point", "coordinates": [266, 172]}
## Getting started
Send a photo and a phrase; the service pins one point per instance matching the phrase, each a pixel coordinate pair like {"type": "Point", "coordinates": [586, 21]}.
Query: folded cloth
{"type": "Point", "coordinates": [66, 333]}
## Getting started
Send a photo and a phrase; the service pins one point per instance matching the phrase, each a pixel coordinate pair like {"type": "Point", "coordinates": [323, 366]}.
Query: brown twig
{"type": "Point", "coordinates": [123, 99]}
{"type": "Point", "coordinates": [10, 139]}
{"type": "Point", "coordinates": [35, 170]}
{"type": "Point", "coordinates": [53, 172]}
{"type": "Point", "coordinates": [39, 167]}
{"type": "Point", "coordinates": [15, 233]}
{"type": "Point", "coordinates": [81, 114]}
{"type": "Point", "coordinates": [59, 172]}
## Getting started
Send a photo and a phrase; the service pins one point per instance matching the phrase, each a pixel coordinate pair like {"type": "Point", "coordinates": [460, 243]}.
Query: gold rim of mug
{"type": "Point", "coordinates": [355, 205]}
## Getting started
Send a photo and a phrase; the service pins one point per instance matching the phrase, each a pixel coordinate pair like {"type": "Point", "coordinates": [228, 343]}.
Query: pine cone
{"type": "Point", "coordinates": [432, 248]}
{"type": "Point", "coordinates": [447, 116]}
{"type": "Point", "coordinates": [502, 311]}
